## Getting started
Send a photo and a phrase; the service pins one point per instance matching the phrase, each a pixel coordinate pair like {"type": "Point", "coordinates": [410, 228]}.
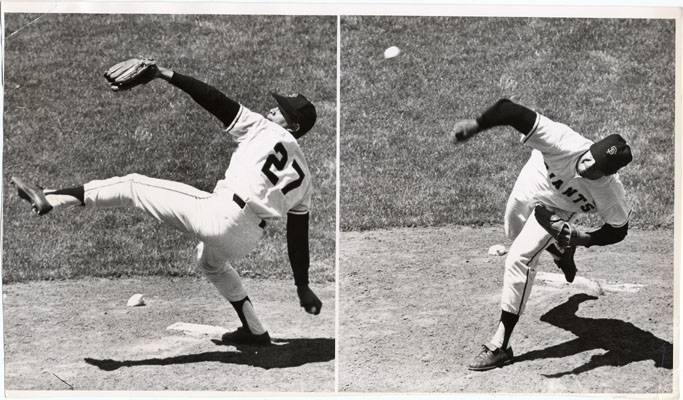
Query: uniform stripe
{"type": "Point", "coordinates": [533, 130]}
{"type": "Point", "coordinates": [234, 121]}
{"type": "Point", "coordinates": [148, 185]}
{"type": "Point", "coordinates": [521, 302]}
{"type": "Point", "coordinates": [297, 212]}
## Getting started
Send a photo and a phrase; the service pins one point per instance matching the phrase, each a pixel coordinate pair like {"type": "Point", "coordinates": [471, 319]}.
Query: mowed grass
{"type": "Point", "coordinates": [599, 76]}
{"type": "Point", "coordinates": [63, 126]}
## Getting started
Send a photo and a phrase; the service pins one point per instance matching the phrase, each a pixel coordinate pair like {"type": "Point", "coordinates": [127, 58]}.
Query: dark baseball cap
{"type": "Point", "coordinates": [611, 154]}
{"type": "Point", "coordinates": [297, 110]}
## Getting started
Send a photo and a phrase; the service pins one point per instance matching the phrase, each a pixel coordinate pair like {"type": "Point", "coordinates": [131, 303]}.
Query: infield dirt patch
{"type": "Point", "coordinates": [418, 303]}
{"type": "Point", "coordinates": [80, 334]}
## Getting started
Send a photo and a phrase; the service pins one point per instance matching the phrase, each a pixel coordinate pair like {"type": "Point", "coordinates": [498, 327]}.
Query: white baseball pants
{"type": "Point", "coordinates": [529, 240]}
{"type": "Point", "coordinates": [227, 229]}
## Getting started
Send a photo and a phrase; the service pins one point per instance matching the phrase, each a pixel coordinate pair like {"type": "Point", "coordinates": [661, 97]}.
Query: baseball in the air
{"type": "Point", "coordinates": [392, 52]}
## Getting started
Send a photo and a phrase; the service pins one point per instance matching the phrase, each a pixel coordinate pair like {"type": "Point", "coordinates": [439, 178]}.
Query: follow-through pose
{"type": "Point", "coordinates": [267, 178]}
{"type": "Point", "coordinates": [566, 174]}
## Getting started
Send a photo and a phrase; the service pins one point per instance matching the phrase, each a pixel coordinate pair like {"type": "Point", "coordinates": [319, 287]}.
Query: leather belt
{"type": "Point", "coordinates": [241, 203]}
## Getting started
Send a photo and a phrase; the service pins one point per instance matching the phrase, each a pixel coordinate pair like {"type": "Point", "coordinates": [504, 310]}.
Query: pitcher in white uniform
{"type": "Point", "coordinates": [267, 178]}
{"type": "Point", "coordinates": [566, 174]}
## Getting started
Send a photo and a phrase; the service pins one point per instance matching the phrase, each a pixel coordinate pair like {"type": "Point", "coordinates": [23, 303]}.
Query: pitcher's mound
{"type": "Point", "coordinates": [197, 329]}
{"type": "Point", "coordinates": [593, 287]}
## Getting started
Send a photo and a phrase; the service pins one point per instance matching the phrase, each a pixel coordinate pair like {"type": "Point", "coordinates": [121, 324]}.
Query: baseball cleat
{"type": "Point", "coordinates": [488, 359]}
{"type": "Point", "coordinates": [244, 336]}
{"type": "Point", "coordinates": [566, 263]}
{"type": "Point", "coordinates": [33, 194]}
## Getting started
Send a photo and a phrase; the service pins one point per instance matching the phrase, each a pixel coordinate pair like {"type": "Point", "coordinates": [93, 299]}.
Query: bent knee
{"type": "Point", "coordinates": [202, 263]}
{"type": "Point", "coordinates": [127, 189]}
{"type": "Point", "coordinates": [207, 268]}
{"type": "Point", "coordinates": [198, 252]}
{"type": "Point", "coordinates": [515, 260]}
{"type": "Point", "coordinates": [211, 263]}
{"type": "Point", "coordinates": [134, 178]}
{"type": "Point", "coordinates": [511, 261]}
{"type": "Point", "coordinates": [514, 223]}
{"type": "Point", "coordinates": [510, 233]}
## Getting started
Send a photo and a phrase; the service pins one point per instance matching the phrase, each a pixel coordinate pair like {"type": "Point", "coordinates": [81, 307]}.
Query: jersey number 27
{"type": "Point", "coordinates": [278, 161]}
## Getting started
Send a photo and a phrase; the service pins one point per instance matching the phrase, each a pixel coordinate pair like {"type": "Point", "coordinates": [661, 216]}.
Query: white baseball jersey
{"type": "Point", "coordinates": [268, 169]}
{"type": "Point", "coordinates": [554, 181]}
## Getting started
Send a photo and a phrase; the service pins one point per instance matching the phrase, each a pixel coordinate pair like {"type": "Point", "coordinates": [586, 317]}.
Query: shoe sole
{"type": "Point", "coordinates": [247, 342]}
{"type": "Point", "coordinates": [265, 344]}
{"type": "Point", "coordinates": [490, 367]}
{"type": "Point", "coordinates": [29, 195]}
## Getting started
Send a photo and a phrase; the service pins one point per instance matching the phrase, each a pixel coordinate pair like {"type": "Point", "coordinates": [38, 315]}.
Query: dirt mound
{"type": "Point", "coordinates": [80, 335]}
{"type": "Point", "coordinates": [417, 304]}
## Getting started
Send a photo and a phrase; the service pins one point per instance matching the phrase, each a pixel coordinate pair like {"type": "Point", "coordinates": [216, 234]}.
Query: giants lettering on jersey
{"type": "Point", "coordinates": [573, 194]}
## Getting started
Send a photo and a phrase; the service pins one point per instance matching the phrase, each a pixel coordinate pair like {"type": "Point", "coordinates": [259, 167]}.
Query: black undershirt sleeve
{"type": "Point", "coordinates": [207, 96]}
{"type": "Point", "coordinates": [297, 247]}
{"type": "Point", "coordinates": [607, 234]}
{"type": "Point", "coordinates": [506, 112]}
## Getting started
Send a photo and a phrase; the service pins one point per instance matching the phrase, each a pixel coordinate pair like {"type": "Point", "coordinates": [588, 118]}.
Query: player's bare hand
{"type": "Point", "coordinates": [463, 130]}
{"type": "Point", "coordinates": [164, 73]}
{"type": "Point", "coordinates": [308, 300]}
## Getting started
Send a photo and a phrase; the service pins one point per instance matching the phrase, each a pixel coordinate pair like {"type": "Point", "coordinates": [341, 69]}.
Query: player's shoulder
{"type": "Point", "coordinates": [615, 181]}
{"type": "Point", "coordinates": [609, 186]}
{"type": "Point", "coordinates": [277, 133]}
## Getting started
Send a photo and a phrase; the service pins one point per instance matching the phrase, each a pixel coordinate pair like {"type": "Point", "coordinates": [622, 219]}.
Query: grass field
{"type": "Point", "coordinates": [62, 126]}
{"type": "Point", "coordinates": [598, 76]}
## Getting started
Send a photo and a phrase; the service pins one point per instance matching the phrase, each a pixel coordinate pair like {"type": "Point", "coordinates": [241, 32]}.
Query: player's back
{"type": "Point", "coordinates": [268, 168]}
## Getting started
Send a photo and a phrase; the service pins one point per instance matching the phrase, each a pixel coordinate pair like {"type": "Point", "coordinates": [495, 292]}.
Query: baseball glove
{"type": "Point", "coordinates": [562, 231]}
{"type": "Point", "coordinates": [130, 73]}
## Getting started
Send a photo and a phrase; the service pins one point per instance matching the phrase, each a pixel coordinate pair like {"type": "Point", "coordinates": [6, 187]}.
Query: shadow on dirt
{"type": "Point", "coordinates": [284, 353]}
{"type": "Point", "coordinates": [624, 342]}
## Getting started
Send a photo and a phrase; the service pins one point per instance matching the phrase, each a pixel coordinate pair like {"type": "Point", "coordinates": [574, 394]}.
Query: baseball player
{"type": "Point", "coordinates": [267, 178]}
{"type": "Point", "coordinates": [566, 174]}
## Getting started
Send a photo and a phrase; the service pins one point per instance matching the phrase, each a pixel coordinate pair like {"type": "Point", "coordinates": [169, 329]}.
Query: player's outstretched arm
{"type": "Point", "coordinates": [503, 112]}
{"type": "Point", "coordinates": [207, 96]}
{"type": "Point", "coordinates": [297, 248]}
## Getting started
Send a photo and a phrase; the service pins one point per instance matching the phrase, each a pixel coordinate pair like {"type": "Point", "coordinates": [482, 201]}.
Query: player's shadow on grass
{"type": "Point", "coordinates": [284, 353]}
{"type": "Point", "coordinates": [624, 342]}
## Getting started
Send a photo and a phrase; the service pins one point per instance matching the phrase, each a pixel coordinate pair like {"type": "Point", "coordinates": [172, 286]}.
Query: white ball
{"type": "Point", "coordinates": [392, 52]}
{"type": "Point", "coordinates": [497, 250]}
{"type": "Point", "coordinates": [136, 300]}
